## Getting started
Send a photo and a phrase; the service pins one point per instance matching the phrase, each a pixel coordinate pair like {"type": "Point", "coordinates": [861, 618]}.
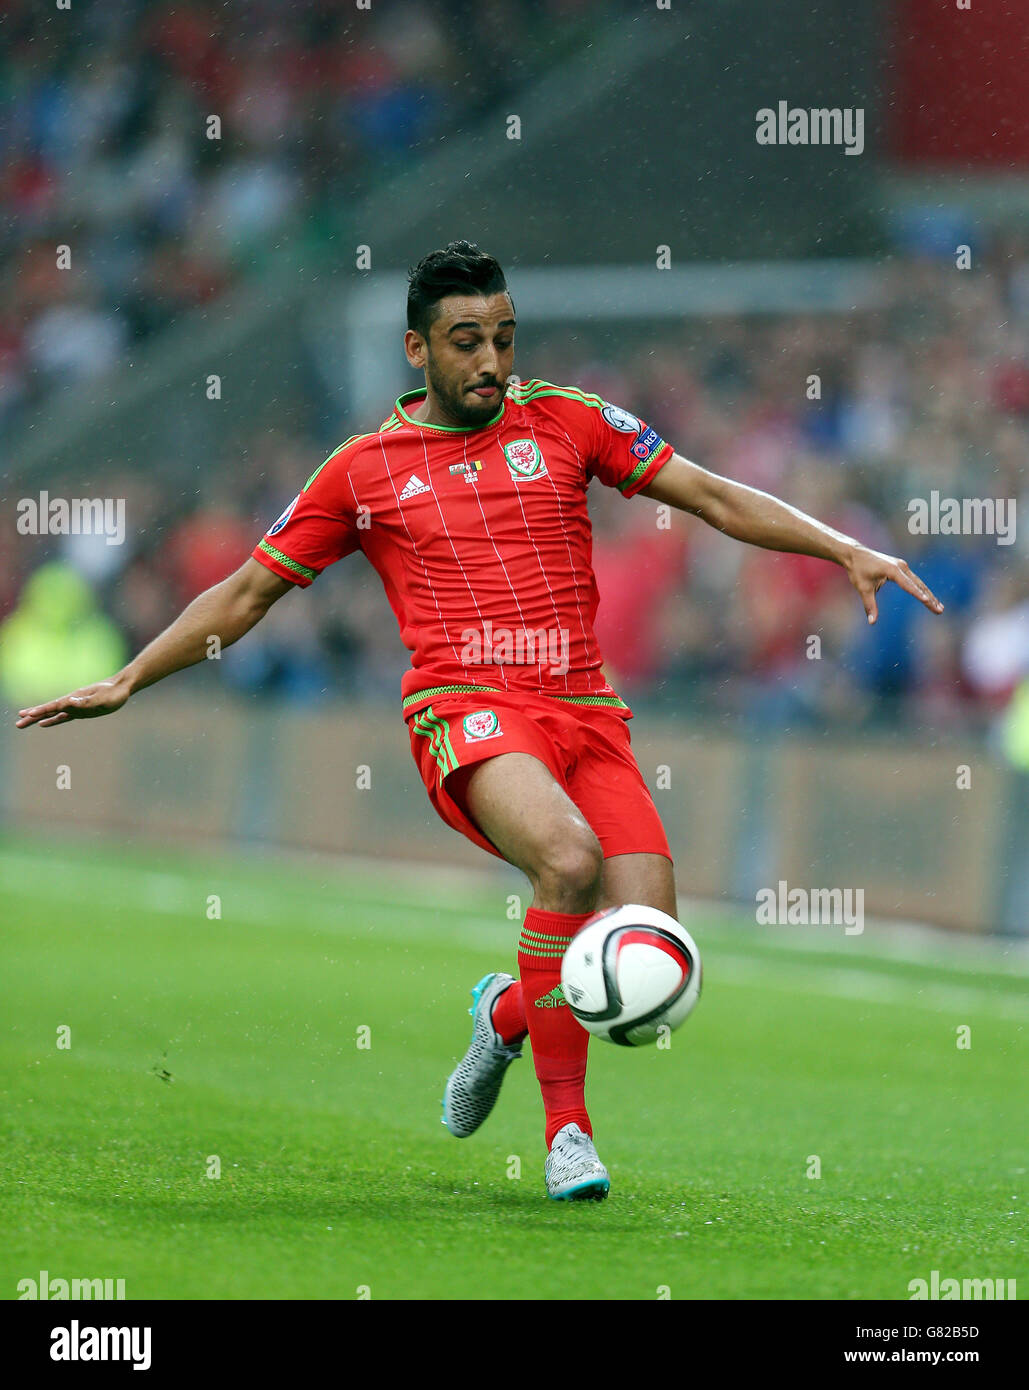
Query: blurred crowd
{"type": "Point", "coordinates": [169, 146]}
{"type": "Point", "coordinates": [856, 420]}
{"type": "Point", "coordinates": [848, 417]}
{"type": "Point", "coordinates": [105, 148]}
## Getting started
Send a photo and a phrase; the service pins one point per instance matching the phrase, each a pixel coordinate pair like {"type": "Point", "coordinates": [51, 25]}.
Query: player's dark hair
{"type": "Point", "coordinates": [460, 268]}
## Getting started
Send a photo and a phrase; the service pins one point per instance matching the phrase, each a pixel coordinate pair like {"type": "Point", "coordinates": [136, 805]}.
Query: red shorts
{"type": "Point", "coordinates": [586, 748]}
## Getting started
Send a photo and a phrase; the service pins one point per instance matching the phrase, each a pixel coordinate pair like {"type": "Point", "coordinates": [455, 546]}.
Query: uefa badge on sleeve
{"type": "Point", "coordinates": [277, 526]}
{"type": "Point", "coordinates": [622, 420]}
{"type": "Point", "coordinates": [647, 443]}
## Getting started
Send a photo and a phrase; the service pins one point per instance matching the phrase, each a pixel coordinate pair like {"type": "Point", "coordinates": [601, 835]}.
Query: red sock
{"type": "Point", "coordinates": [509, 1015]}
{"type": "Point", "coordinates": [559, 1043]}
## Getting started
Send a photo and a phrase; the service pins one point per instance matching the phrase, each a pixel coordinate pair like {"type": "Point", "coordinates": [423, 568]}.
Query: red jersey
{"type": "Point", "coordinates": [481, 537]}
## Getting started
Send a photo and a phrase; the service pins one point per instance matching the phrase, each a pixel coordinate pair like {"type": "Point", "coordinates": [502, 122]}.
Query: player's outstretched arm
{"type": "Point", "coordinates": [226, 611]}
{"type": "Point", "coordinates": [759, 519]}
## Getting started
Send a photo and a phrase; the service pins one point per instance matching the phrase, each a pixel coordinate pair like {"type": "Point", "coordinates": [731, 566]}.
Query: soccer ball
{"type": "Point", "coordinates": [629, 972]}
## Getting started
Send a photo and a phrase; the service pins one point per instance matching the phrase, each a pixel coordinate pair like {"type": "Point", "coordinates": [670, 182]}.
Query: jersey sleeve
{"type": "Point", "coordinates": [318, 527]}
{"type": "Point", "coordinates": [624, 451]}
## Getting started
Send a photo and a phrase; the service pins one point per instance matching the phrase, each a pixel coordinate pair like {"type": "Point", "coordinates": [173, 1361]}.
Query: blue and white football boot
{"type": "Point", "coordinates": [573, 1172]}
{"type": "Point", "coordinates": [475, 1082]}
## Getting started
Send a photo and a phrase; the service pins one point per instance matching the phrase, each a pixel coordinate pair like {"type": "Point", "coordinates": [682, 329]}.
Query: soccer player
{"type": "Point", "coordinates": [470, 502]}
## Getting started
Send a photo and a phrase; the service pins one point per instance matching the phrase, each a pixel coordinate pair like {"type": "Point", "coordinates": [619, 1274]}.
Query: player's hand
{"type": "Point", "coordinates": [90, 702]}
{"type": "Point", "coordinates": [868, 571]}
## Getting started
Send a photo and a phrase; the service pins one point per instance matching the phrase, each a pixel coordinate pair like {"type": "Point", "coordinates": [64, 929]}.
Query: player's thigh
{"type": "Point", "coordinates": [610, 789]}
{"type": "Point", "coordinates": [519, 805]}
{"type": "Point", "coordinates": [639, 878]}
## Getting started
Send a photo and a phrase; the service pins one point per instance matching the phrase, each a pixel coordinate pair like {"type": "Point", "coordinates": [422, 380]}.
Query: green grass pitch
{"type": "Point", "coordinates": [194, 1037]}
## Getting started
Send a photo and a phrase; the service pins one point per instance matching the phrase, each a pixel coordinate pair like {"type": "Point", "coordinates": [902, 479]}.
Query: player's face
{"type": "Point", "coordinates": [469, 357]}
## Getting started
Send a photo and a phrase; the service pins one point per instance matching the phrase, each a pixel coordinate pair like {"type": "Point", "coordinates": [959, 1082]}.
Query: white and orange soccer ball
{"type": "Point", "coordinates": [629, 973]}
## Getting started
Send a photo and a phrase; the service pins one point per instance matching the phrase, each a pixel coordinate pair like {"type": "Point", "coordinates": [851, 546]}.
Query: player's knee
{"type": "Point", "coordinates": [570, 873]}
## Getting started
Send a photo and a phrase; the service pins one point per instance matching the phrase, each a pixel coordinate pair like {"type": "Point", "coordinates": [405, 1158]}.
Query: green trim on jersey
{"type": "Point", "coordinates": [353, 439]}
{"type": "Point", "coordinates": [452, 690]}
{"type": "Point", "coordinates": [293, 565]}
{"type": "Point", "coordinates": [641, 468]}
{"type": "Point", "coordinates": [313, 476]}
{"type": "Point", "coordinates": [528, 391]}
{"type": "Point", "coordinates": [443, 429]}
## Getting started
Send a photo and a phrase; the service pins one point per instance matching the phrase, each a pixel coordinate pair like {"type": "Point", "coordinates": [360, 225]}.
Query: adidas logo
{"type": "Point", "coordinates": [413, 487]}
{"type": "Point", "coordinates": [554, 1000]}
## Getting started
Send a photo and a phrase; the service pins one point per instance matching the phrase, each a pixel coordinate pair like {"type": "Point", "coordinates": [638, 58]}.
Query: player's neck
{"type": "Point", "coordinates": [427, 412]}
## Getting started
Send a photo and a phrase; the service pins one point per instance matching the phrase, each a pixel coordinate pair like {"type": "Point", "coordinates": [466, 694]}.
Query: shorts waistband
{"type": "Point", "coordinates": [432, 692]}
